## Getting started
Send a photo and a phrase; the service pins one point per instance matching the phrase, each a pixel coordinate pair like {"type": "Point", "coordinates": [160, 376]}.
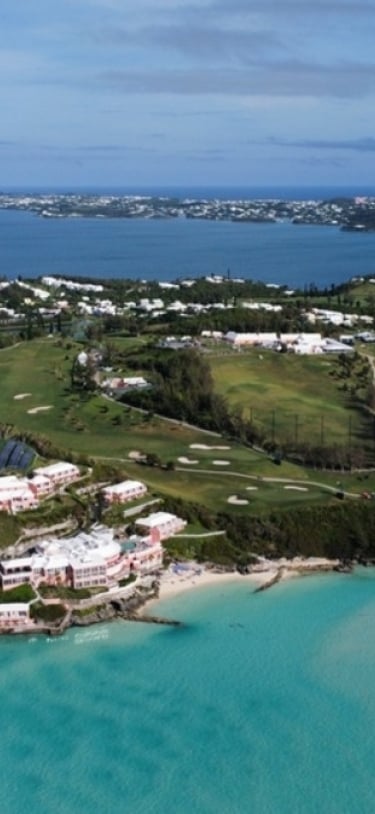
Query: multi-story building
{"type": "Point", "coordinates": [16, 494]}
{"type": "Point", "coordinates": [16, 572]}
{"type": "Point", "coordinates": [60, 473]}
{"type": "Point", "coordinates": [160, 525]}
{"type": "Point", "coordinates": [14, 614]}
{"type": "Point", "coordinates": [123, 492]}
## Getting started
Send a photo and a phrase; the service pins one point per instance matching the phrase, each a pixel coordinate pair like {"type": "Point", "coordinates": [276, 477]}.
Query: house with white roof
{"type": "Point", "coordinates": [14, 614]}
{"type": "Point", "coordinates": [16, 494]}
{"type": "Point", "coordinates": [15, 572]}
{"type": "Point", "coordinates": [160, 525]}
{"type": "Point", "coordinates": [60, 473]}
{"type": "Point", "coordinates": [124, 491]}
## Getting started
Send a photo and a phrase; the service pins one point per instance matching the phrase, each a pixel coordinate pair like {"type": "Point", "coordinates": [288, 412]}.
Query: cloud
{"type": "Point", "coordinates": [358, 145]}
{"type": "Point", "coordinates": [289, 78]}
{"type": "Point", "coordinates": [205, 42]}
{"type": "Point", "coordinates": [299, 7]}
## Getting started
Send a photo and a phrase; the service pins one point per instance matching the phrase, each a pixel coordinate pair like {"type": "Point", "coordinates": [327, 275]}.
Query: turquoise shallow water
{"type": "Point", "coordinates": [261, 703]}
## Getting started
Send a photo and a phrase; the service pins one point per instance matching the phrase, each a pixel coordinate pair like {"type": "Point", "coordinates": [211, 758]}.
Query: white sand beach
{"type": "Point", "coordinates": [182, 577]}
{"type": "Point", "coordinates": [173, 583]}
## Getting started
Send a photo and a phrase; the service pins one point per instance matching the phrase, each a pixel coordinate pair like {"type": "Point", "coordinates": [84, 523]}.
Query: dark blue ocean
{"type": "Point", "coordinates": [167, 249]}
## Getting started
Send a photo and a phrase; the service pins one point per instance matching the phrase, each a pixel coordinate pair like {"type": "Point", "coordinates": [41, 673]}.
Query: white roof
{"type": "Point", "coordinates": [11, 483]}
{"type": "Point", "coordinates": [18, 562]}
{"type": "Point", "coordinates": [54, 561]}
{"type": "Point", "coordinates": [57, 468]}
{"type": "Point", "coordinates": [156, 519]}
{"type": "Point", "coordinates": [91, 558]}
{"type": "Point", "coordinates": [14, 607]}
{"type": "Point", "coordinates": [124, 486]}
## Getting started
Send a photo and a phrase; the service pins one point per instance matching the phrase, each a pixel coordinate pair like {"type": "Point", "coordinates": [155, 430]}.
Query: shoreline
{"type": "Point", "coordinates": [175, 582]}
{"type": "Point", "coordinates": [178, 579]}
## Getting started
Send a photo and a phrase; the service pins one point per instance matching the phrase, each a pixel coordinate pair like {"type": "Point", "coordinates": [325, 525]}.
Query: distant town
{"type": "Point", "coordinates": [350, 214]}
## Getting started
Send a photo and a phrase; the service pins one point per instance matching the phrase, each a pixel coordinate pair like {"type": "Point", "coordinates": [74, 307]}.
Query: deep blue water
{"type": "Point", "coordinates": [261, 703]}
{"type": "Point", "coordinates": [167, 249]}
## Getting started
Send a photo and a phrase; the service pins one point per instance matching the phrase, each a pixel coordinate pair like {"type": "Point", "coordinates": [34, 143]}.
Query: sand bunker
{"type": "Point", "coordinates": [187, 461]}
{"type": "Point", "coordinates": [251, 488]}
{"type": "Point", "coordinates": [135, 454]}
{"type": "Point", "coordinates": [221, 463]}
{"type": "Point", "coordinates": [297, 488]}
{"type": "Point", "coordinates": [205, 446]}
{"type": "Point", "coordinates": [21, 396]}
{"type": "Point", "coordinates": [237, 501]}
{"type": "Point", "coordinates": [40, 409]}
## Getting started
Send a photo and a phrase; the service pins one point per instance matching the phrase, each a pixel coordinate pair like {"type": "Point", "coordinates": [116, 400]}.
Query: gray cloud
{"type": "Point", "coordinates": [359, 145]}
{"type": "Point", "coordinates": [289, 78]}
{"type": "Point", "coordinates": [298, 7]}
{"type": "Point", "coordinates": [206, 42]}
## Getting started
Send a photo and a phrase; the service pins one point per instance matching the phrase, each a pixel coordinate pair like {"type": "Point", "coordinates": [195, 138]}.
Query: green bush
{"type": "Point", "coordinates": [47, 613]}
{"type": "Point", "coordinates": [22, 593]}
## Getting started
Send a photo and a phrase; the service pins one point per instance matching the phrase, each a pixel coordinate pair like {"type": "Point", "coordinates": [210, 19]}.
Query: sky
{"type": "Point", "coordinates": [138, 93]}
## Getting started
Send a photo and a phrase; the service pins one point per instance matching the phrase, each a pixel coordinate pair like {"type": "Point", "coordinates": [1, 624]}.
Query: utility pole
{"type": "Point", "coordinates": [273, 426]}
{"type": "Point", "coordinates": [322, 430]}
{"type": "Point", "coordinates": [296, 428]}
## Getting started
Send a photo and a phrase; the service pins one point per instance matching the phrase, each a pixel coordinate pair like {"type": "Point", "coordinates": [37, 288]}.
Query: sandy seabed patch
{"type": "Point", "coordinates": [237, 501]}
{"type": "Point", "coordinates": [206, 446]}
{"type": "Point", "coordinates": [297, 488]}
{"type": "Point", "coordinates": [221, 463]}
{"type": "Point", "coordinates": [40, 409]}
{"type": "Point", "coordinates": [184, 460]}
{"type": "Point", "coordinates": [20, 396]}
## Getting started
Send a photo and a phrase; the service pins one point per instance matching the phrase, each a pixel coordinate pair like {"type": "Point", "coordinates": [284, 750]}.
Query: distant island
{"type": "Point", "coordinates": [349, 214]}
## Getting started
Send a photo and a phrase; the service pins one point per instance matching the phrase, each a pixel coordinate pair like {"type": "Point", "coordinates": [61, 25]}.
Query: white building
{"type": "Point", "coordinates": [160, 525]}
{"type": "Point", "coordinates": [15, 572]}
{"type": "Point", "coordinates": [14, 614]}
{"type": "Point", "coordinates": [242, 339]}
{"type": "Point", "coordinates": [146, 558]}
{"type": "Point", "coordinates": [88, 572]}
{"type": "Point", "coordinates": [16, 495]}
{"type": "Point", "coordinates": [124, 491]}
{"type": "Point", "coordinates": [60, 473]}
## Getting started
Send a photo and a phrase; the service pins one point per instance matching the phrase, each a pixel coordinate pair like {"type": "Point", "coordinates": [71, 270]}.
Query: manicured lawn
{"type": "Point", "coordinates": [290, 397]}
{"type": "Point", "coordinates": [109, 431]}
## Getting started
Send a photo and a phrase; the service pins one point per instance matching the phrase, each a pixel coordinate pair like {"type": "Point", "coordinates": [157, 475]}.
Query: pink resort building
{"type": "Point", "coordinates": [160, 525]}
{"type": "Point", "coordinates": [124, 492]}
{"type": "Point", "coordinates": [60, 473]}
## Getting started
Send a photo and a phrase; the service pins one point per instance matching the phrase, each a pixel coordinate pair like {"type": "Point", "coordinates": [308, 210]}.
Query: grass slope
{"type": "Point", "coordinates": [109, 431]}
{"type": "Point", "coordinates": [292, 396]}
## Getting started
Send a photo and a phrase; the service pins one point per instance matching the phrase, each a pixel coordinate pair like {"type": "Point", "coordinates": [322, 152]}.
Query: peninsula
{"type": "Point", "coordinates": [350, 214]}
